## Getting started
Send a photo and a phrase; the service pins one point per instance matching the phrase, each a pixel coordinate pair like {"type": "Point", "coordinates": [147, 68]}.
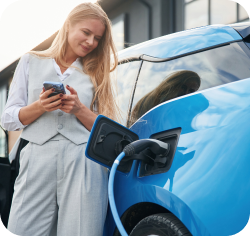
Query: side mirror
{"type": "Point", "coordinates": [107, 140]}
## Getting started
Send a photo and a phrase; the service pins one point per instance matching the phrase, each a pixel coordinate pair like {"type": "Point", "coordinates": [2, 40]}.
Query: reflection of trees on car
{"type": "Point", "coordinates": [177, 84]}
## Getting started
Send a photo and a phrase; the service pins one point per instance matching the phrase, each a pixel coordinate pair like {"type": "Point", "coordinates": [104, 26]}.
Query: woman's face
{"type": "Point", "coordinates": [84, 36]}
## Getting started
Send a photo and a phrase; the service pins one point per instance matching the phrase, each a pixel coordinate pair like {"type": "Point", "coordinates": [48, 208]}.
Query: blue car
{"type": "Point", "coordinates": [190, 89]}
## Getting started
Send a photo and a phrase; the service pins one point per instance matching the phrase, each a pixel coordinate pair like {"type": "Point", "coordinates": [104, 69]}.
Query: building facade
{"type": "Point", "coordinates": [135, 21]}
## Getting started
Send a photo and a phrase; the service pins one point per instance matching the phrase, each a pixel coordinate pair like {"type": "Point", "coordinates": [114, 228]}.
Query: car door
{"type": "Point", "coordinates": [5, 177]}
{"type": "Point", "coordinates": [8, 173]}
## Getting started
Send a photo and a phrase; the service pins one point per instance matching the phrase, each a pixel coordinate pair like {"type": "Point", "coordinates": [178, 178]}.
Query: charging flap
{"type": "Point", "coordinates": [107, 140]}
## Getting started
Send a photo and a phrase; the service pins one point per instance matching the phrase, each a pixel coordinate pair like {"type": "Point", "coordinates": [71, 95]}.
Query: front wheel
{"type": "Point", "coordinates": [164, 224]}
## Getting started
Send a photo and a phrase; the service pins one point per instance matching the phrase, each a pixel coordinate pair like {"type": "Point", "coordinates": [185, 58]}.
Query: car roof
{"type": "Point", "coordinates": [183, 42]}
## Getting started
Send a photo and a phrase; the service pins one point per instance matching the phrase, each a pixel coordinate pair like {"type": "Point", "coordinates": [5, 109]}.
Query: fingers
{"type": "Point", "coordinates": [72, 91]}
{"type": "Point", "coordinates": [54, 98]}
{"type": "Point", "coordinates": [68, 102]}
{"type": "Point", "coordinates": [55, 108]}
{"type": "Point", "coordinates": [48, 106]}
{"type": "Point", "coordinates": [66, 108]}
{"type": "Point", "coordinates": [43, 90]}
{"type": "Point", "coordinates": [69, 97]}
{"type": "Point", "coordinates": [46, 93]}
{"type": "Point", "coordinates": [54, 105]}
{"type": "Point", "coordinates": [46, 102]}
{"type": "Point", "coordinates": [65, 102]}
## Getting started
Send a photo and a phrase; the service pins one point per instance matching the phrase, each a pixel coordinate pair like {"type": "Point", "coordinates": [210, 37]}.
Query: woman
{"type": "Point", "coordinates": [58, 188]}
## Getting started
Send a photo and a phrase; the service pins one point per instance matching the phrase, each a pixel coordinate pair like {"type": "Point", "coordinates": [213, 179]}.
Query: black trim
{"type": "Point", "coordinates": [171, 137]}
{"type": "Point", "coordinates": [155, 59]}
{"type": "Point", "coordinates": [242, 28]}
{"type": "Point", "coordinates": [245, 47]}
{"type": "Point", "coordinates": [132, 97]}
{"type": "Point", "coordinates": [129, 59]}
{"type": "Point", "coordinates": [148, 58]}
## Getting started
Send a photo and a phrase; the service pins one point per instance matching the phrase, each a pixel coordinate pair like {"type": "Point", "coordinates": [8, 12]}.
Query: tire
{"type": "Point", "coordinates": [164, 224]}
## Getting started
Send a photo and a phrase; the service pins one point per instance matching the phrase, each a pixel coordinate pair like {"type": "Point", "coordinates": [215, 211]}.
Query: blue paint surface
{"type": "Point", "coordinates": [208, 184]}
{"type": "Point", "coordinates": [183, 42]}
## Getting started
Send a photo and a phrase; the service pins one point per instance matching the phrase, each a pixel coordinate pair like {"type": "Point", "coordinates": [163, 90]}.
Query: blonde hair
{"type": "Point", "coordinates": [168, 89]}
{"type": "Point", "coordinates": [97, 64]}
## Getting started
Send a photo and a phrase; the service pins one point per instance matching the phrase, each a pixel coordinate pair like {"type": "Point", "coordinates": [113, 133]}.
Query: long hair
{"type": "Point", "coordinates": [97, 64]}
{"type": "Point", "coordinates": [168, 89]}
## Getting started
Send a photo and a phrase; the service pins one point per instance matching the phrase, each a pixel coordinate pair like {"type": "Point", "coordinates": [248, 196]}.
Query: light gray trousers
{"type": "Point", "coordinates": [58, 191]}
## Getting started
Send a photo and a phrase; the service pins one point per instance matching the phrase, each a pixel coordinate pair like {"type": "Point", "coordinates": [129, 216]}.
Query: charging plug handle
{"type": "Point", "coordinates": [156, 146]}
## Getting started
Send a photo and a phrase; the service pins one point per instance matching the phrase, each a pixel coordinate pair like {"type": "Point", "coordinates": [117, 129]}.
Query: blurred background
{"type": "Point", "coordinates": [33, 24]}
{"type": "Point", "coordinates": [140, 20]}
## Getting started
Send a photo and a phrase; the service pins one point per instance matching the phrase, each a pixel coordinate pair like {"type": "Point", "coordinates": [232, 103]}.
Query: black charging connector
{"type": "Point", "coordinates": [156, 146]}
{"type": "Point", "coordinates": [150, 151]}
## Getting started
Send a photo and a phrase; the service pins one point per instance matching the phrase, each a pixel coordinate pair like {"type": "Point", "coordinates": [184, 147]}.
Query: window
{"type": "Point", "coordinates": [242, 14]}
{"type": "Point", "coordinates": [160, 82]}
{"type": "Point", "coordinates": [3, 96]}
{"type": "Point", "coordinates": [126, 76]}
{"type": "Point", "coordinates": [2, 143]}
{"type": "Point", "coordinates": [223, 12]}
{"type": "Point", "coordinates": [206, 12]}
{"type": "Point", "coordinates": [118, 29]}
{"type": "Point", "coordinates": [196, 14]}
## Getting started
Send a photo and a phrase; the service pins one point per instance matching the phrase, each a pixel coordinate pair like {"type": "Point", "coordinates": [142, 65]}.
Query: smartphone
{"type": "Point", "coordinates": [59, 88]}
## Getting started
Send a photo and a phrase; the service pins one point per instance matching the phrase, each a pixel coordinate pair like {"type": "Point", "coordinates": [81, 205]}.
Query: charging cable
{"type": "Point", "coordinates": [156, 146]}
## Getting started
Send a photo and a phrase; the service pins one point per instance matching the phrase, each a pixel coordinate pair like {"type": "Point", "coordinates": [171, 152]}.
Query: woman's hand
{"type": "Point", "coordinates": [30, 113]}
{"type": "Point", "coordinates": [50, 103]}
{"type": "Point", "coordinates": [71, 103]}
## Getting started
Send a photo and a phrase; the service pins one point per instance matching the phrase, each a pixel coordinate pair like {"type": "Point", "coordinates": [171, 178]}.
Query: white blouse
{"type": "Point", "coordinates": [18, 93]}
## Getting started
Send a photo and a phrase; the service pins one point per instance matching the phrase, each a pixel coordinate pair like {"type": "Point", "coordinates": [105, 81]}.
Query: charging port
{"type": "Point", "coordinates": [160, 164]}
